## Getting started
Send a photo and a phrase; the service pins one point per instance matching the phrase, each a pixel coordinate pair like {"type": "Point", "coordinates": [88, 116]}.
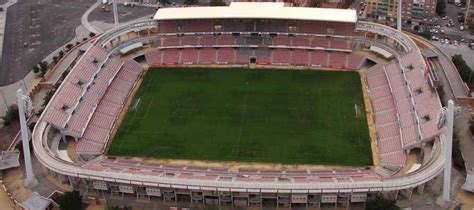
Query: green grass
{"type": "Point", "coordinates": [271, 116]}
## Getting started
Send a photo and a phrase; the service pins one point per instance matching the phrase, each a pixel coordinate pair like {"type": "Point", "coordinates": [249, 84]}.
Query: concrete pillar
{"type": "Point", "coordinates": [420, 189]}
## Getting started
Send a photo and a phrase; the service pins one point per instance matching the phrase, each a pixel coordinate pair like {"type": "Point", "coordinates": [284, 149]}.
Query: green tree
{"type": "Point", "coordinates": [31, 126]}
{"type": "Point", "coordinates": [426, 33]}
{"type": "Point", "coordinates": [69, 46]}
{"type": "Point", "coordinates": [381, 203]}
{"type": "Point", "coordinates": [440, 7]}
{"type": "Point", "coordinates": [458, 160]}
{"type": "Point", "coordinates": [316, 3]}
{"type": "Point", "coordinates": [164, 2]}
{"type": "Point", "coordinates": [35, 69]}
{"type": "Point", "coordinates": [70, 201]}
{"type": "Point", "coordinates": [464, 70]}
{"type": "Point", "coordinates": [190, 2]}
{"type": "Point", "coordinates": [471, 125]}
{"type": "Point", "coordinates": [217, 3]}
{"type": "Point", "coordinates": [91, 34]}
{"type": "Point", "coordinates": [47, 97]}
{"type": "Point", "coordinates": [11, 115]}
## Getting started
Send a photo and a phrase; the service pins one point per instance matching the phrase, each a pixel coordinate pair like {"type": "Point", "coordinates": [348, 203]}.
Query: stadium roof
{"type": "Point", "coordinates": [257, 10]}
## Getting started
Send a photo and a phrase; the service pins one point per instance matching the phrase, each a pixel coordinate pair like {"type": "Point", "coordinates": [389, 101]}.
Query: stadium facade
{"type": "Point", "coordinates": [405, 107]}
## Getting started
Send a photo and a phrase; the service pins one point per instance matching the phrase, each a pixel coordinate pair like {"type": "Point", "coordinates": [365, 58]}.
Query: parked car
{"type": "Point", "coordinates": [435, 38]}
{"type": "Point", "coordinates": [461, 28]}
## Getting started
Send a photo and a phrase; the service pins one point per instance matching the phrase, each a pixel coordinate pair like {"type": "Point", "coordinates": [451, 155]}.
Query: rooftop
{"type": "Point", "coordinates": [257, 10]}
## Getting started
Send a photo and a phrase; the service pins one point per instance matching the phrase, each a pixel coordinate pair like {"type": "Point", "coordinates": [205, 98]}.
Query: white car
{"type": "Point", "coordinates": [435, 38]}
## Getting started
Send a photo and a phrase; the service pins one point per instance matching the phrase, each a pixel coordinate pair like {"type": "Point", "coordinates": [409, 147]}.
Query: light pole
{"type": "Point", "coordinates": [30, 180]}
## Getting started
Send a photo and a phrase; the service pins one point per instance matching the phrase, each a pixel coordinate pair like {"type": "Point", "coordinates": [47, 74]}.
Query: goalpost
{"type": "Point", "coordinates": [136, 105]}
{"type": "Point", "coordinates": [358, 113]}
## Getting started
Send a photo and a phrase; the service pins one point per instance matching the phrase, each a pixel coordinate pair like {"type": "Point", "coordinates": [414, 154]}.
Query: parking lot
{"type": "Point", "coordinates": [36, 28]}
{"type": "Point", "coordinates": [449, 30]}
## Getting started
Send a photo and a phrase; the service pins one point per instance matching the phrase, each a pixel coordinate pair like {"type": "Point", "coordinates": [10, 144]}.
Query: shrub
{"type": "Point", "coordinates": [217, 3]}
{"type": "Point", "coordinates": [70, 201]}
{"type": "Point", "coordinates": [69, 46]}
{"type": "Point", "coordinates": [11, 115]}
{"type": "Point", "coordinates": [47, 97]}
{"type": "Point", "coordinates": [164, 2]}
{"type": "Point", "coordinates": [458, 161]}
{"type": "Point", "coordinates": [55, 59]}
{"type": "Point", "coordinates": [190, 2]}
{"type": "Point", "coordinates": [462, 67]}
{"type": "Point", "coordinates": [36, 69]}
{"type": "Point", "coordinates": [381, 203]}
{"type": "Point", "coordinates": [31, 126]}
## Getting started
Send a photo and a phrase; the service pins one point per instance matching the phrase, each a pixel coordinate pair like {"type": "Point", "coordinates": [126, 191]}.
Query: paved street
{"type": "Point", "coordinates": [36, 28]}
{"type": "Point", "coordinates": [126, 13]}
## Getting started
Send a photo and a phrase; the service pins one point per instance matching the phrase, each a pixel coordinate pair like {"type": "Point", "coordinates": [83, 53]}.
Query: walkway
{"type": "Point", "coordinates": [85, 21]}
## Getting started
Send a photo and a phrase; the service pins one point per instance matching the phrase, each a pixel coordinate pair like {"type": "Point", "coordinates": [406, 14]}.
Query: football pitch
{"type": "Point", "coordinates": [266, 116]}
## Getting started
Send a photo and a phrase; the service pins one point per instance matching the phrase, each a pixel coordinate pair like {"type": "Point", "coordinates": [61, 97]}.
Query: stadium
{"type": "Point", "coordinates": [252, 104]}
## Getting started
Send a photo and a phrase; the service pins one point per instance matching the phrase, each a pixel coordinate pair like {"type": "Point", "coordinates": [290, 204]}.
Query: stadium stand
{"type": "Point", "coordinates": [280, 56]}
{"type": "Point", "coordinates": [337, 60]}
{"type": "Point", "coordinates": [300, 57]}
{"type": "Point", "coordinates": [199, 26]}
{"type": "Point", "coordinates": [319, 58]}
{"type": "Point", "coordinates": [170, 56]}
{"type": "Point", "coordinates": [153, 57]}
{"type": "Point", "coordinates": [225, 56]}
{"type": "Point", "coordinates": [207, 56]}
{"type": "Point", "coordinates": [207, 40]}
{"type": "Point", "coordinates": [189, 56]}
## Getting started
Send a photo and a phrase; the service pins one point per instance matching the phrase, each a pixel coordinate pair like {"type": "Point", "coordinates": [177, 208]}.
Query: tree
{"type": "Point", "coordinates": [55, 59]}
{"type": "Point", "coordinates": [315, 3]}
{"type": "Point", "coordinates": [381, 203]}
{"type": "Point", "coordinates": [217, 3]}
{"type": "Point", "coordinates": [47, 97]}
{"type": "Point", "coordinates": [190, 2]}
{"type": "Point", "coordinates": [416, 27]}
{"type": "Point", "coordinates": [31, 126]}
{"type": "Point", "coordinates": [61, 53]}
{"type": "Point", "coordinates": [11, 115]}
{"type": "Point", "coordinates": [471, 125]}
{"type": "Point", "coordinates": [71, 200]}
{"type": "Point", "coordinates": [35, 69]}
{"type": "Point", "coordinates": [464, 70]}
{"type": "Point", "coordinates": [426, 33]}
{"type": "Point", "coordinates": [91, 34]}
{"type": "Point", "coordinates": [458, 160]}
{"type": "Point", "coordinates": [440, 7]}
{"type": "Point", "coordinates": [69, 46]}
{"type": "Point", "coordinates": [164, 2]}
